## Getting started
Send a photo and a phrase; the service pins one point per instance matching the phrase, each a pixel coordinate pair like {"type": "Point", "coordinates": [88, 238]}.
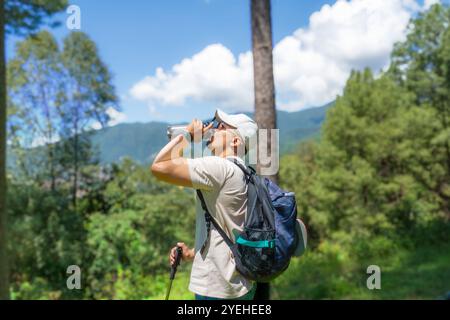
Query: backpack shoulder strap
{"type": "Point", "coordinates": [248, 171]}
{"type": "Point", "coordinates": [216, 225]}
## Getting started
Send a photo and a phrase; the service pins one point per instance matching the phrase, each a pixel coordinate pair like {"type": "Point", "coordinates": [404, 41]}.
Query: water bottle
{"type": "Point", "coordinates": [173, 131]}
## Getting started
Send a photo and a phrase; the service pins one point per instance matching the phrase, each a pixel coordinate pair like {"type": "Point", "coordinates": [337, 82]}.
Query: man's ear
{"type": "Point", "coordinates": [235, 142]}
{"type": "Point", "coordinates": [237, 145]}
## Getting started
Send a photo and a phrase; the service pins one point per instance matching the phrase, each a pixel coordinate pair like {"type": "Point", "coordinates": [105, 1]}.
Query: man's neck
{"type": "Point", "coordinates": [231, 154]}
{"type": "Point", "coordinates": [226, 153]}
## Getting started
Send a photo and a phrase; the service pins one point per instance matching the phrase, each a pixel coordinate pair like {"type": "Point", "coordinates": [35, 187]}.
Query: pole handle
{"type": "Point", "coordinates": [173, 269]}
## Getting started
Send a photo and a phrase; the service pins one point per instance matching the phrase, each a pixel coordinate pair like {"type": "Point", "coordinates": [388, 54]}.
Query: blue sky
{"type": "Point", "coordinates": [136, 37]}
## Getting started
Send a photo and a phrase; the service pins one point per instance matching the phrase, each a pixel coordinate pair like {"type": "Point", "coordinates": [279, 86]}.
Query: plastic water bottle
{"type": "Point", "coordinates": [173, 131]}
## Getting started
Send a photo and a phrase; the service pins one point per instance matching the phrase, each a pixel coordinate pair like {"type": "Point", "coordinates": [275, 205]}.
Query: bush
{"type": "Point", "coordinates": [321, 274]}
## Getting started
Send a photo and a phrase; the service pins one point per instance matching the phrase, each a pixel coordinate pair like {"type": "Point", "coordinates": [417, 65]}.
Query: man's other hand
{"type": "Point", "coordinates": [188, 254]}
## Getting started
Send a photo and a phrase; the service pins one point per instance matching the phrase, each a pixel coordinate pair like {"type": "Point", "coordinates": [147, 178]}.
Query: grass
{"type": "Point", "coordinates": [421, 273]}
{"type": "Point", "coordinates": [179, 289]}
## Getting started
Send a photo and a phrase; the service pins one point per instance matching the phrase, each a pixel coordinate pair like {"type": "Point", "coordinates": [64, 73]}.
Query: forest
{"type": "Point", "coordinates": [373, 188]}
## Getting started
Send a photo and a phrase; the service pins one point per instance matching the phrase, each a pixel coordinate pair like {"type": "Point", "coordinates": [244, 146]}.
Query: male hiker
{"type": "Point", "coordinates": [223, 186]}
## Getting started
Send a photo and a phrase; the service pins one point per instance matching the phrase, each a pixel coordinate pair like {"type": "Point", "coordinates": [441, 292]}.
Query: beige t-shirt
{"type": "Point", "coordinates": [225, 192]}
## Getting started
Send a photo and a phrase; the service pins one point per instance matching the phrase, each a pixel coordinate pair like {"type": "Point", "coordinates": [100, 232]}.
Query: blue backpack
{"type": "Point", "coordinates": [265, 247]}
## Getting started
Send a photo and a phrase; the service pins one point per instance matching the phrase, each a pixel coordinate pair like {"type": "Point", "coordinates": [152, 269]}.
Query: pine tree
{"type": "Point", "coordinates": [421, 64]}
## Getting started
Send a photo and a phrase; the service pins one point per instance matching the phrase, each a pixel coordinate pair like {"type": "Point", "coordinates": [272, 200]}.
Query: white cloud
{"type": "Point", "coordinates": [311, 66]}
{"type": "Point", "coordinates": [115, 116]}
{"type": "Point", "coordinates": [212, 75]}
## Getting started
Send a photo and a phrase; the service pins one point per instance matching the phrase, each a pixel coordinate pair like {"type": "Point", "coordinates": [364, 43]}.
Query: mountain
{"type": "Point", "coordinates": [300, 125]}
{"type": "Point", "coordinates": [139, 141]}
{"type": "Point", "coordinates": [142, 141]}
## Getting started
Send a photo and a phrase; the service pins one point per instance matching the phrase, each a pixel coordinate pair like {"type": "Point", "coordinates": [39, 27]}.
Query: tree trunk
{"type": "Point", "coordinates": [49, 135]}
{"type": "Point", "coordinates": [4, 283]}
{"type": "Point", "coordinates": [75, 160]}
{"type": "Point", "coordinates": [264, 88]}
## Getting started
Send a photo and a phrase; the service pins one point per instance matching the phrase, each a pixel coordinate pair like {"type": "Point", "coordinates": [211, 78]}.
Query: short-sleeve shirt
{"type": "Point", "coordinates": [224, 189]}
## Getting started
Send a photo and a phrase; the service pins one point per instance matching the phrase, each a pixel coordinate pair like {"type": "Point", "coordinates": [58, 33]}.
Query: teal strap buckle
{"type": "Point", "coordinates": [256, 244]}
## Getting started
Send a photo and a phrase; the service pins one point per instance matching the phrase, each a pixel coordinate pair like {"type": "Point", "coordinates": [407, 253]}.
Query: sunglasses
{"type": "Point", "coordinates": [216, 124]}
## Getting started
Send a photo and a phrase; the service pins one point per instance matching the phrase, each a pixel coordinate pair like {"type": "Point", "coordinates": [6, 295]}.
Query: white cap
{"type": "Point", "coordinates": [302, 234]}
{"type": "Point", "coordinates": [245, 125]}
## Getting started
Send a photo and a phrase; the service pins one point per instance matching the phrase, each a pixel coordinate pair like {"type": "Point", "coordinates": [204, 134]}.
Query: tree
{"type": "Point", "coordinates": [25, 16]}
{"type": "Point", "coordinates": [4, 286]}
{"type": "Point", "coordinates": [360, 186]}
{"type": "Point", "coordinates": [35, 82]}
{"type": "Point", "coordinates": [16, 17]}
{"type": "Point", "coordinates": [264, 88]}
{"type": "Point", "coordinates": [364, 177]}
{"type": "Point", "coordinates": [89, 93]}
{"type": "Point", "coordinates": [421, 65]}
{"type": "Point", "coordinates": [129, 241]}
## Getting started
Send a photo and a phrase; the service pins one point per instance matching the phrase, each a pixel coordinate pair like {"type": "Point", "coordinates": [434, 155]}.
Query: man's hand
{"type": "Point", "coordinates": [188, 254]}
{"type": "Point", "coordinates": [195, 128]}
{"type": "Point", "coordinates": [169, 164]}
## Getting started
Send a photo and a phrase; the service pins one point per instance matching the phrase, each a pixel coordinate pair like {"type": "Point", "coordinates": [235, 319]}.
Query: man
{"type": "Point", "coordinates": [224, 190]}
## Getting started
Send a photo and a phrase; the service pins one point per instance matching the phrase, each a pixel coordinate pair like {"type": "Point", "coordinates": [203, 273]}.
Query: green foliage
{"type": "Point", "coordinates": [363, 177]}
{"type": "Point", "coordinates": [17, 17]}
{"type": "Point", "coordinates": [24, 16]}
{"type": "Point", "coordinates": [374, 189]}
{"type": "Point", "coordinates": [421, 64]}
{"type": "Point", "coordinates": [39, 289]}
{"type": "Point", "coordinates": [89, 91]}
{"type": "Point", "coordinates": [129, 286]}
{"type": "Point", "coordinates": [129, 243]}
{"type": "Point", "coordinates": [317, 275]}
{"type": "Point", "coordinates": [45, 235]}
{"type": "Point", "coordinates": [33, 79]}
{"type": "Point", "coordinates": [134, 242]}
{"type": "Point", "coordinates": [335, 271]}
{"type": "Point", "coordinates": [57, 96]}
{"type": "Point", "coordinates": [120, 235]}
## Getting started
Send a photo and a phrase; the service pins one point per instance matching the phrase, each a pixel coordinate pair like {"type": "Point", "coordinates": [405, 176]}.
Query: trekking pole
{"type": "Point", "coordinates": [173, 269]}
